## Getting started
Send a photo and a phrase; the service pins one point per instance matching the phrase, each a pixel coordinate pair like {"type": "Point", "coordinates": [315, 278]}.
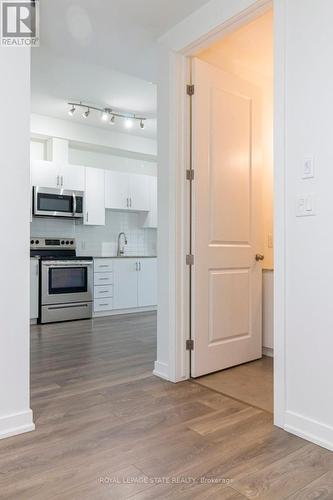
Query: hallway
{"type": "Point", "coordinates": [107, 428]}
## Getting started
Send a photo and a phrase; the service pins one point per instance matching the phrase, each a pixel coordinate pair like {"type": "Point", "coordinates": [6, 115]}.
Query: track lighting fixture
{"type": "Point", "coordinates": [71, 111]}
{"type": "Point", "coordinates": [86, 113]}
{"type": "Point", "coordinates": [107, 114]}
{"type": "Point", "coordinates": [104, 115]}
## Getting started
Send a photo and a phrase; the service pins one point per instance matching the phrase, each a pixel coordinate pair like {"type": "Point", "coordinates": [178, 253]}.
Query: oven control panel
{"type": "Point", "coordinates": [52, 243]}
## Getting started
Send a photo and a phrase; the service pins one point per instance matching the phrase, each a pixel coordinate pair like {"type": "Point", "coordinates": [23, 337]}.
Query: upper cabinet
{"type": "Point", "coordinates": [116, 190]}
{"type": "Point", "coordinates": [50, 174]}
{"type": "Point", "coordinates": [94, 214]}
{"type": "Point", "coordinates": [127, 191]}
{"type": "Point", "coordinates": [151, 218]}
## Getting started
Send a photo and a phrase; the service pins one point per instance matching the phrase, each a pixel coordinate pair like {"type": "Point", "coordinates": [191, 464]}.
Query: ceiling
{"type": "Point", "coordinates": [104, 52]}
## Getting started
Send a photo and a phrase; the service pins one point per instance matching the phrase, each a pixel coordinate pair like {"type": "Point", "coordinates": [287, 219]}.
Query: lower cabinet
{"type": "Point", "coordinates": [124, 283]}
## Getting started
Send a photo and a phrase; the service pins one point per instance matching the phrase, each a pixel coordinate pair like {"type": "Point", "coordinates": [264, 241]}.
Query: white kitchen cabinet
{"type": "Point", "coordinates": [72, 177]}
{"type": "Point", "coordinates": [139, 194]}
{"type": "Point", "coordinates": [34, 288]}
{"type": "Point", "coordinates": [125, 283]}
{"type": "Point", "coordinates": [51, 174]}
{"type": "Point", "coordinates": [94, 213]}
{"type": "Point", "coordinates": [147, 282]}
{"type": "Point", "coordinates": [151, 217]}
{"type": "Point", "coordinates": [126, 191]}
{"type": "Point", "coordinates": [45, 174]}
{"type": "Point", "coordinates": [116, 190]}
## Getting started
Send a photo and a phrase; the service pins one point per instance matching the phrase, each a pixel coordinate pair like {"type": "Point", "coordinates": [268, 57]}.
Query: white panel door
{"type": "Point", "coordinates": [116, 190]}
{"type": "Point", "coordinates": [139, 192]}
{"type": "Point", "coordinates": [125, 283]}
{"type": "Point", "coordinates": [94, 214]}
{"type": "Point", "coordinates": [226, 279]}
{"type": "Point", "coordinates": [147, 282]}
{"type": "Point", "coordinates": [45, 174]}
{"type": "Point", "coordinates": [73, 177]}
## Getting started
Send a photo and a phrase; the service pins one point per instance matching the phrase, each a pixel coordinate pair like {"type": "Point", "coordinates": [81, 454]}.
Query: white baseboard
{"type": "Point", "coordinates": [161, 370]}
{"type": "Point", "coordinates": [18, 423]}
{"type": "Point", "coordinates": [309, 429]}
{"type": "Point", "coordinates": [268, 351]}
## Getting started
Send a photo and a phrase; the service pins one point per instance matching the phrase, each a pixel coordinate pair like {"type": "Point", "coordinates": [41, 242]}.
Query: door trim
{"type": "Point", "coordinates": [179, 133]}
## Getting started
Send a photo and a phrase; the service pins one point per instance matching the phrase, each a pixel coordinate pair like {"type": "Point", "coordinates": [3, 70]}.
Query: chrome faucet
{"type": "Point", "coordinates": [121, 248]}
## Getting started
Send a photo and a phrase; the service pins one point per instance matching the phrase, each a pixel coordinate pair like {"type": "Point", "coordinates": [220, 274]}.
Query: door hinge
{"type": "Point", "coordinates": [190, 345]}
{"type": "Point", "coordinates": [190, 174]}
{"type": "Point", "coordinates": [190, 90]}
{"type": "Point", "coordinates": [190, 259]}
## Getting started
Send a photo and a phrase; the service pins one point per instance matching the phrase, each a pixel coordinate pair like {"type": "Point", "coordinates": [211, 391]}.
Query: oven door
{"type": "Point", "coordinates": [64, 282]}
{"type": "Point", "coordinates": [49, 202]}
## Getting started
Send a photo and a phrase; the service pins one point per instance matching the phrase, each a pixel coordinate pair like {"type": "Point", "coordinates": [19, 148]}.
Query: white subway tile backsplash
{"type": "Point", "coordinates": [101, 240]}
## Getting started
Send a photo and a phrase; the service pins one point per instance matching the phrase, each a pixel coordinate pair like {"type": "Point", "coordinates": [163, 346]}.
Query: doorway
{"type": "Point", "coordinates": [232, 214]}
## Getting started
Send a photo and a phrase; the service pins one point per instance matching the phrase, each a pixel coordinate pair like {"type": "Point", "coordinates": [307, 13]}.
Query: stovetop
{"type": "Point", "coordinates": [54, 249]}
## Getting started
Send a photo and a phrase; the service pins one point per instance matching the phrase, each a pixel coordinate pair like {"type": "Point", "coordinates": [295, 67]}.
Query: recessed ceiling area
{"type": "Point", "coordinates": [104, 52]}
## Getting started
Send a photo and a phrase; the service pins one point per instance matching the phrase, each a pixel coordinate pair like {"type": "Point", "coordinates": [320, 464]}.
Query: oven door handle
{"type": "Point", "coordinates": [81, 264]}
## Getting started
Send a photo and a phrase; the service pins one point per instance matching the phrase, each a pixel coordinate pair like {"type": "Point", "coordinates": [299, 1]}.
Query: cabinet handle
{"type": "Point", "coordinates": [131, 202]}
{"type": "Point", "coordinates": [58, 180]}
{"type": "Point", "coordinates": [139, 266]}
{"type": "Point", "coordinates": [87, 217]}
{"type": "Point", "coordinates": [136, 266]}
{"type": "Point", "coordinates": [62, 180]}
{"type": "Point", "coordinates": [127, 203]}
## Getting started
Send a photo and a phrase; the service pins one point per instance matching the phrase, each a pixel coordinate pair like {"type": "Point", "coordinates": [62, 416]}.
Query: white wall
{"type": "Point", "coordinates": [309, 240]}
{"type": "Point", "coordinates": [15, 413]}
{"type": "Point", "coordinates": [65, 129]}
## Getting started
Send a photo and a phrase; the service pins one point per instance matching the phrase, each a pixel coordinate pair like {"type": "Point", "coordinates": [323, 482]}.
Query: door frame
{"type": "Point", "coordinates": [177, 152]}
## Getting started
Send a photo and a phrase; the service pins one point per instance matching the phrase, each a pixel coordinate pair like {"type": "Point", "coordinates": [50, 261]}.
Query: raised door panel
{"type": "Point", "coordinates": [94, 214]}
{"type": "Point", "coordinates": [73, 177]}
{"type": "Point", "coordinates": [116, 190]}
{"type": "Point", "coordinates": [45, 174]}
{"type": "Point", "coordinates": [125, 283]}
{"type": "Point", "coordinates": [147, 282]}
{"type": "Point", "coordinates": [139, 192]}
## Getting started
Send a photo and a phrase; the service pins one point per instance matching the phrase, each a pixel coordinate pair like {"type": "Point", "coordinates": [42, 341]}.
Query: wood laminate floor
{"type": "Point", "coordinates": [108, 429]}
{"type": "Point", "coordinates": [251, 383]}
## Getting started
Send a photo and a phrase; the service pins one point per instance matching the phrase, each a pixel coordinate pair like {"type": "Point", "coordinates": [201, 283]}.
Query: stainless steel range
{"type": "Point", "coordinates": [66, 281]}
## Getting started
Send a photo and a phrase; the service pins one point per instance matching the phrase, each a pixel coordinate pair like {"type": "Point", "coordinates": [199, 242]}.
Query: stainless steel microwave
{"type": "Point", "coordinates": [49, 202]}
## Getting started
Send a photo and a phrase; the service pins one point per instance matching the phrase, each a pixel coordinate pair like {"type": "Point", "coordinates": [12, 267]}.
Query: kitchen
{"type": "Point", "coordinates": [93, 231]}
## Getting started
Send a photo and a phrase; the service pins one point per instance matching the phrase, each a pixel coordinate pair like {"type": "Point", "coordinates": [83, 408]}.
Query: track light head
{"type": "Point", "coordinates": [71, 111]}
{"type": "Point", "coordinates": [112, 120]}
{"type": "Point", "coordinates": [104, 116]}
{"type": "Point", "coordinates": [128, 123]}
{"type": "Point", "coordinates": [142, 124]}
{"type": "Point", "coordinates": [86, 113]}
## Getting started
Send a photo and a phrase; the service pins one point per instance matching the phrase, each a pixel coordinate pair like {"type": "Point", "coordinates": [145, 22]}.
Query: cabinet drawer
{"type": "Point", "coordinates": [103, 304]}
{"type": "Point", "coordinates": [101, 291]}
{"type": "Point", "coordinates": [103, 265]}
{"type": "Point", "coordinates": [103, 279]}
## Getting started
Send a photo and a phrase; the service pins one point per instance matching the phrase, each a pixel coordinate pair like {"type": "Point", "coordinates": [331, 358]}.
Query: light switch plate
{"type": "Point", "coordinates": [307, 171]}
{"type": "Point", "coordinates": [306, 205]}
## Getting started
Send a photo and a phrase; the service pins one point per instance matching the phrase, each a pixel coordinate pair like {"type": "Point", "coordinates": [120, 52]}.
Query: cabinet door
{"type": "Point", "coordinates": [34, 270]}
{"type": "Point", "coordinates": [73, 177]}
{"type": "Point", "coordinates": [151, 219]}
{"type": "Point", "coordinates": [125, 283]}
{"type": "Point", "coordinates": [116, 190]}
{"type": "Point", "coordinates": [139, 192]}
{"type": "Point", "coordinates": [147, 282]}
{"type": "Point", "coordinates": [45, 174]}
{"type": "Point", "coordinates": [94, 214]}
